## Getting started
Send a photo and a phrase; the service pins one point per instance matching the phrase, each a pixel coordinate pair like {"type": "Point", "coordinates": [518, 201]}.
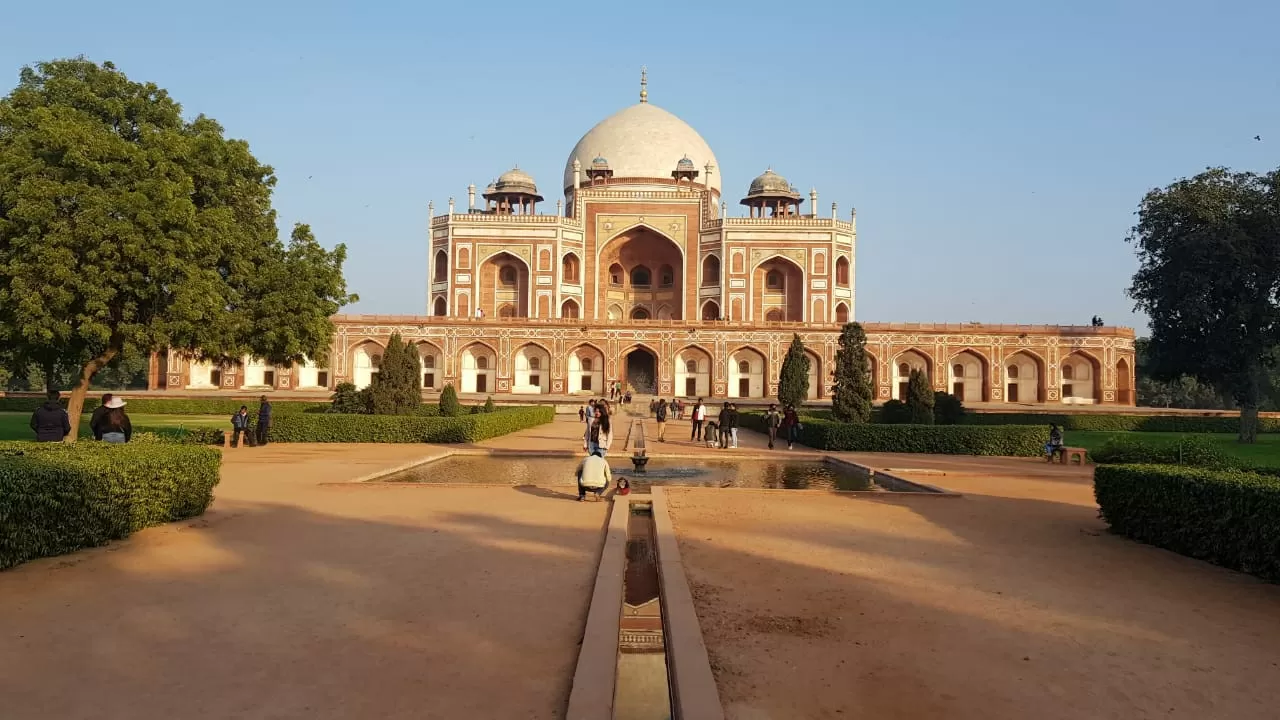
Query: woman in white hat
{"type": "Point", "coordinates": [115, 424]}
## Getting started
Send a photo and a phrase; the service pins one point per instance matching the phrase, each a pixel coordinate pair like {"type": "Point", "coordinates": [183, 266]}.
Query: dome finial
{"type": "Point", "coordinates": [644, 84]}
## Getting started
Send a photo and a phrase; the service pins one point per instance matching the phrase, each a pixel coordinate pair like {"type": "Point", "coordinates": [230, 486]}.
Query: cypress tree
{"type": "Point", "coordinates": [793, 383]}
{"type": "Point", "coordinates": [852, 398]}
{"type": "Point", "coordinates": [397, 386]}
{"type": "Point", "coordinates": [919, 398]}
{"type": "Point", "coordinates": [449, 405]}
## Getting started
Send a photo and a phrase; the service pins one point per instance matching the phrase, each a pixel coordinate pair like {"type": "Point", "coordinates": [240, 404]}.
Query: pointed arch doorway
{"type": "Point", "coordinates": [642, 371]}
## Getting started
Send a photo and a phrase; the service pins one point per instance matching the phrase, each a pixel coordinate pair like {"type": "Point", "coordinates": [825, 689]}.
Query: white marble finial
{"type": "Point", "coordinates": [431, 209]}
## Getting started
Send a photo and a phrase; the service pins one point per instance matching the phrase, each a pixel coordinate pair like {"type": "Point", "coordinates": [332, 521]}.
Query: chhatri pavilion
{"type": "Point", "coordinates": [641, 275]}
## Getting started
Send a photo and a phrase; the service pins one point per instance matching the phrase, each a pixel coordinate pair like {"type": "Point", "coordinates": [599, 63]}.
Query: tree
{"type": "Point", "coordinates": [1209, 278]}
{"type": "Point", "coordinates": [449, 405]}
{"type": "Point", "coordinates": [919, 398]}
{"type": "Point", "coordinates": [397, 387]}
{"type": "Point", "coordinates": [488, 405]}
{"type": "Point", "coordinates": [793, 383]}
{"type": "Point", "coordinates": [125, 228]}
{"type": "Point", "coordinates": [851, 401]}
{"type": "Point", "coordinates": [947, 409]}
{"type": "Point", "coordinates": [347, 400]}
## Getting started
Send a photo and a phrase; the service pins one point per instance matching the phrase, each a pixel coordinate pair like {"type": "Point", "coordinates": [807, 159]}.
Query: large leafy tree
{"type": "Point", "coordinates": [851, 401]}
{"type": "Point", "coordinates": [1209, 279]}
{"type": "Point", "coordinates": [397, 387]}
{"type": "Point", "coordinates": [793, 381]}
{"type": "Point", "coordinates": [125, 228]}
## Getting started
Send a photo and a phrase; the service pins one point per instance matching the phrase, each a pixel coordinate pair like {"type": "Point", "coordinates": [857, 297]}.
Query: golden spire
{"type": "Point", "coordinates": [644, 85]}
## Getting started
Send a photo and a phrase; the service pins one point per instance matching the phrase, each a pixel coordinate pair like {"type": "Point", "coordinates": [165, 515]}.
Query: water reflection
{"type": "Point", "coordinates": [714, 473]}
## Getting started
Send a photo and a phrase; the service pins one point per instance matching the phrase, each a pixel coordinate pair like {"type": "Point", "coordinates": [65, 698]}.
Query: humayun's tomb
{"type": "Point", "coordinates": [642, 276]}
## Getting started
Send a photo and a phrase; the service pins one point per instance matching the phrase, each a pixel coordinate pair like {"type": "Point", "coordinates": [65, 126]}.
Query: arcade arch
{"type": "Point", "coordinates": [631, 279]}
{"type": "Point", "coordinates": [1081, 379]}
{"type": "Point", "coordinates": [778, 284]}
{"type": "Point", "coordinates": [431, 362]}
{"type": "Point", "coordinates": [532, 370]}
{"type": "Point", "coordinates": [569, 308]}
{"type": "Point", "coordinates": [586, 370]}
{"type": "Point", "coordinates": [747, 374]}
{"type": "Point", "coordinates": [504, 285]}
{"type": "Point", "coordinates": [478, 369]}
{"type": "Point", "coordinates": [1024, 378]}
{"type": "Point", "coordinates": [903, 364]}
{"type": "Point", "coordinates": [967, 372]}
{"type": "Point", "coordinates": [693, 372]}
{"type": "Point", "coordinates": [365, 361]}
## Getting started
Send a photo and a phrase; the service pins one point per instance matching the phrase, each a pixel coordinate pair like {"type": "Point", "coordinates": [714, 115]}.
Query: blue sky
{"type": "Point", "coordinates": [996, 151]}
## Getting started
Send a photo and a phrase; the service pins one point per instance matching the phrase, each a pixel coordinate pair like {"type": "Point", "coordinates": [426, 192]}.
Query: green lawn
{"type": "Point", "coordinates": [15, 426]}
{"type": "Point", "coordinates": [1265, 452]}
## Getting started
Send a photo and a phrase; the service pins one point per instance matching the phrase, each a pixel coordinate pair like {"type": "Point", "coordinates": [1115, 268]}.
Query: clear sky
{"type": "Point", "coordinates": [996, 151]}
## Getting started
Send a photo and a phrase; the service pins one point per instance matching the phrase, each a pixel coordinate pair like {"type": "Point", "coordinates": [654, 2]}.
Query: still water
{"type": "Point", "coordinates": [661, 471]}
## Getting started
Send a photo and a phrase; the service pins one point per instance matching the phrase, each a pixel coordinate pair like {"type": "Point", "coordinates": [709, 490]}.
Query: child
{"type": "Point", "coordinates": [240, 424]}
{"type": "Point", "coordinates": [624, 486]}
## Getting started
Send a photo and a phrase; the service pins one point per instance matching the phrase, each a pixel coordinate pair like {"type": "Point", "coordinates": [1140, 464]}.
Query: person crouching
{"type": "Point", "coordinates": [593, 474]}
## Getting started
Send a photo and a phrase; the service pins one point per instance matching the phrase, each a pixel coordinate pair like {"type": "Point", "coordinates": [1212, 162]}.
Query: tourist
{"type": "Point", "coordinates": [772, 419]}
{"type": "Point", "coordinates": [624, 486]}
{"type": "Point", "coordinates": [661, 414]}
{"type": "Point", "coordinates": [240, 424]}
{"type": "Point", "coordinates": [100, 412]}
{"type": "Point", "coordinates": [264, 421]}
{"type": "Point", "coordinates": [791, 425]}
{"type": "Point", "coordinates": [697, 417]}
{"type": "Point", "coordinates": [653, 407]}
{"type": "Point", "coordinates": [115, 426]}
{"type": "Point", "coordinates": [733, 424]}
{"type": "Point", "coordinates": [722, 420]}
{"type": "Point", "coordinates": [599, 435]}
{"type": "Point", "coordinates": [1055, 442]}
{"type": "Point", "coordinates": [711, 434]}
{"type": "Point", "coordinates": [678, 408]}
{"type": "Point", "coordinates": [50, 421]}
{"type": "Point", "coordinates": [593, 474]}
{"type": "Point", "coordinates": [627, 398]}
{"type": "Point", "coordinates": [582, 413]}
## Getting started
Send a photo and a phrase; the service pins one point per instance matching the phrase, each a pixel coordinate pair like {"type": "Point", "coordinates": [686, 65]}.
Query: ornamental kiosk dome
{"type": "Point", "coordinates": [514, 192]}
{"type": "Point", "coordinates": [771, 191]}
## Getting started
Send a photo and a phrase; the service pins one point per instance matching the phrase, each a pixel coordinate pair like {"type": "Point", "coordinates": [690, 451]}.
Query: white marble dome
{"type": "Point", "coordinates": [643, 141]}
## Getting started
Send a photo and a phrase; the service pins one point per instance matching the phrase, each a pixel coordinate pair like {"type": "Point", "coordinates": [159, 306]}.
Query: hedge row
{"type": "Point", "coordinates": [174, 406]}
{"type": "Point", "coordinates": [56, 498]}
{"type": "Point", "coordinates": [407, 428]}
{"type": "Point", "coordinates": [1109, 421]}
{"type": "Point", "coordinates": [937, 439]}
{"type": "Point", "coordinates": [1227, 517]}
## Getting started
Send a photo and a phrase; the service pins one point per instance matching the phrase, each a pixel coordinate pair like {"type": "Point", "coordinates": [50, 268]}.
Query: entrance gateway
{"type": "Point", "coordinates": [642, 371]}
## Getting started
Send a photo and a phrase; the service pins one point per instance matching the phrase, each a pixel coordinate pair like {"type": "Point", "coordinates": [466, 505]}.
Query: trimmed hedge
{"type": "Point", "coordinates": [1227, 517]}
{"type": "Point", "coordinates": [407, 428]}
{"type": "Point", "coordinates": [56, 498]}
{"type": "Point", "coordinates": [175, 406]}
{"type": "Point", "coordinates": [1021, 440]}
{"type": "Point", "coordinates": [1109, 421]}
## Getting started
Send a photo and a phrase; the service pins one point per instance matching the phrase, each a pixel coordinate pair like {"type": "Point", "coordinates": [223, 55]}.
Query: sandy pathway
{"type": "Point", "coordinates": [1011, 602]}
{"type": "Point", "coordinates": [289, 600]}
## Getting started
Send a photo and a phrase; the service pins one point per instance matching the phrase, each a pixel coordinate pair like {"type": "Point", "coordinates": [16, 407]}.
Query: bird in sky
{"type": "Point", "coordinates": [1258, 138]}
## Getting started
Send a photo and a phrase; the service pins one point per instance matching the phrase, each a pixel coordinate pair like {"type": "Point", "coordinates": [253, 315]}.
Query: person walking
{"type": "Point", "coordinates": [660, 413]}
{"type": "Point", "coordinates": [733, 424]}
{"type": "Point", "coordinates": [697, 417]}
{"type": "Point", "coordinates": [772, 419]}
{"type": "Point", "coordinates": [116, 427]}
{"type": "Point", "coordinates": [264, 421]}
{"type": "Point", "coordinates": [593, 474]}
{"type": "Point", "coordinates": [50, 421]}
{"type": "Point", "coordinates": [790, 426]}
{"type": "Point", "coordinates": [722, 423]}
{"type": "Point", "coordinates": [239, 425]}
{"type": "Point", "coordinates": [100, 412]}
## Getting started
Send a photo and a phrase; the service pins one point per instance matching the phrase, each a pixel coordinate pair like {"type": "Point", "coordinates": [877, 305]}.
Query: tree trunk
{"type": "Point", "coordinates": [1249, 423]}
{"type": "Point", "coordinates": [75, 403]}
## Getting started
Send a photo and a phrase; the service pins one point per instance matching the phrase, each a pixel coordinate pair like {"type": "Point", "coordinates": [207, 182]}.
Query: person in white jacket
{"type": "Point", "coordinates": [593, 474]}
{"type": "Point", "coordinates": [599, 434]}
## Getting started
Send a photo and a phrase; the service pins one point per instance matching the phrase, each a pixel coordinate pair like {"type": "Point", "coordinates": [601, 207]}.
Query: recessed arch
{"type": "Point", "coordinates": [842, 271]}
{"type": "Point", "coordinates": [440, 308]}
{"type": "Point", "coordinates": [967, 372]}
{"type": "Point", "coordinates": [631, 256]}
{"type": "Point", "coordinates": [544, 260]}
{"type": "Point", "coordinates": [440, 267]}
{"type": "Point", "coordinates": [640, 368]}
{"type": "Point", "coordinates": [1025, 377]}
{"type": "Point", "coordinates": [504, 279]}
{"type": "Point", "coordinates": [569, 308]}
{"type": "Point", "coordinates": [905, 362]}
{"type": "Point", "coordinates": [842, 313]}
{"type": "Point", "coordinates": [693, 365]}
{"type": "Point", "coordinates": [710, 310]}
{"type": "Point", "coordinates": [431, 363]}
{"type": "Point", "coordinates": [366, 358]}
{"type": "Point", "coordinates": [777, 281]}
{"type": "Point", "coordinates": [1084, 386]}
{"type": "Point", "coordinates": [1124, 382]}
{"type": "Point", "coordinates": [748, 370]}
{"type": "Point", "coordinates": [640, 312]}
{"type": "Point", "coordinates": [711, 270]}
{"type": "Point", "coordinates": [532, 369]}
{"type": "Point", "coordinates": [586, 369]}
{"type": "Point", "coordinates": [478, 367]}
{"type": "Point", "coordinates": [570, 269]}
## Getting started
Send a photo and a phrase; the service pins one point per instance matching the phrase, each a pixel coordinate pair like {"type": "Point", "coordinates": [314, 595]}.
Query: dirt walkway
{"type": "Point", "coordinates": [1012, 602]}
{"type": "Point", "coordinates": [289, 600]}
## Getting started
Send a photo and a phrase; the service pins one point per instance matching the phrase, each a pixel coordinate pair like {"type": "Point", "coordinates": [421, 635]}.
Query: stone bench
{"type": "Point", "coordinates": [1066, 454]}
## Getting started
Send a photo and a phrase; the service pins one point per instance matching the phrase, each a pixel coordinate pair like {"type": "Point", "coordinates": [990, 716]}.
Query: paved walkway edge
{"type": "Point", "coordinates": [693, 688]}
{"type": "Point", "coordinates": [591, 697]}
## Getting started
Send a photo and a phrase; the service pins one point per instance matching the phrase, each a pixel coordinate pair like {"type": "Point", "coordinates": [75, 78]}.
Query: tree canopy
{"type": "Point", "coordinates": [397, 386]}
{"type": "Point", "coordinates": [793, 381]}
{"type": "Point", "coordinates": [919, 398]}
{"type": "Point", "coordinates": [1209, 279]}
{"type": "Point", "coordinates": [851, 401]}
{"type": "Point", "coordinates": [126, 228]}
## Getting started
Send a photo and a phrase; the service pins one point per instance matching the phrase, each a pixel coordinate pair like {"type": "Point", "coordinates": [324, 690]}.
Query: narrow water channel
{"type": "Point", "coordinates": [642, 691]}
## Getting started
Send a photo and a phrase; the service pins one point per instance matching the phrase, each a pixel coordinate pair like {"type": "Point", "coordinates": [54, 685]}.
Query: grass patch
{"type": "Point", "coordinates": [1264, 453]}
{"type": "Point", "coordinates": [16, 426]}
